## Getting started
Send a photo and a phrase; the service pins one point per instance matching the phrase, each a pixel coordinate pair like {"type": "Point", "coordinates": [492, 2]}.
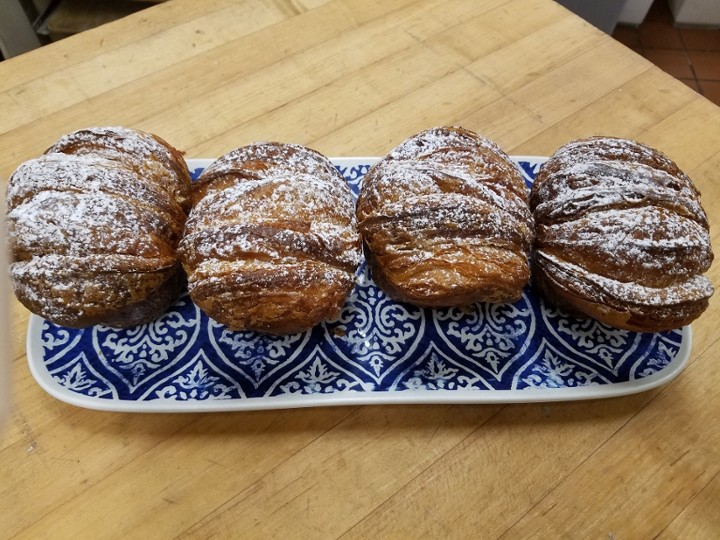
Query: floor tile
{"type": "Point", "coordinates": [660, 35]}
{"type": "Point", "coordinates": [691, 55]}
{"type": "Point", "coordinates": [711, 90]}
{"type": "Point", "coordinates": [671, 61]}
{"type": "Point", "coordinates": [627, 35]}
{"type": "Point", "coordinates": [706, 64]}
{"type": "Point", "coordinates": [700, 40]}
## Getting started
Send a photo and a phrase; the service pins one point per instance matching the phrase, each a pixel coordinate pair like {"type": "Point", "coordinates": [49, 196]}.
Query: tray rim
{"type": "Point", "coordinates": [385, 397]}
{"type": "Point", "coordinates": [351, 398]}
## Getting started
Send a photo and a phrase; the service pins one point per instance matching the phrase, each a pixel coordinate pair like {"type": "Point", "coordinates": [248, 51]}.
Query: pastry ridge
{"type": "Point", "coordinates": [621, 236]}
{"type": "Point", "coordinates": [271, 244]}
{"type": "Point", "coordinates": [445, 221]}
{"type": "Point", "coordinates": [93, 227]}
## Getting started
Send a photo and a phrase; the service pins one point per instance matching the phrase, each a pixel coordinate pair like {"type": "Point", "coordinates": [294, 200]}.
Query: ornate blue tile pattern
{"type": "Point", "coordinates": [374, 345]}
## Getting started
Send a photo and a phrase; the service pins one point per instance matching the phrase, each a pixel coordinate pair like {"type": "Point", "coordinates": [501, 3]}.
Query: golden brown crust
{"type": "Point", "coordinates": [93, 227]}
{"type": "Point", "coordinates": [154, 159]}
{"type": "Point", "coordinates": [621, 236]}
{"type": "Point", "coordinates": [445, 221]}
{"type": "Point", "coordinates": [271, 244]}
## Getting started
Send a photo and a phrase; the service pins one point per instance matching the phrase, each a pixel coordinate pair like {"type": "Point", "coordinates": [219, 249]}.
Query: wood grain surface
{"type": "Point", "coordinates": [356, 77]}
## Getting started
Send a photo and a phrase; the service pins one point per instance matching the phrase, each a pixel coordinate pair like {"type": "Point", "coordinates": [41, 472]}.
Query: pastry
{"type": "Point", "coordinates": [621, 236]}
{"type": "Point", "coordinates": [445, 221]}
{"type": "Point", "coordinates": [271, 244]}
{"type": "Point", "coordinates": [93, 228]}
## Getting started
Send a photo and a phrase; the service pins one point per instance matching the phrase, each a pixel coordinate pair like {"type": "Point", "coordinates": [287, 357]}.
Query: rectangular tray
{"type": "Point", "coordinates": [376, 352]}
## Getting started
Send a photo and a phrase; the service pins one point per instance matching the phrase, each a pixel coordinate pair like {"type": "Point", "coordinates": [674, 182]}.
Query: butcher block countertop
{"type": "Point", "coordinates": [355, 78]}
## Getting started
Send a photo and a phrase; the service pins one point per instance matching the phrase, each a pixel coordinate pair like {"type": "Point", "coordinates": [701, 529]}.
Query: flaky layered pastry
{"type": "Point", "coordinates": [271, 244]}
{"type": "Point", "coordinates": [445, 221]}
{"type": "Point", "coordinates": [93, 227]}
{"type": "Point", "coordinates": [621, 236]}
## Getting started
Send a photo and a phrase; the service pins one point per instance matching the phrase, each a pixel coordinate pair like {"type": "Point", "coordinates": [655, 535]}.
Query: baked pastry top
{"type": "Point", "coordinates": [621, 236]}
{"type": "Point", "coordinates": [445, 221]}
{"type": "Point", "coordinates": [93, 227]}
{"type": "Point", "coordinates": [271, 244]}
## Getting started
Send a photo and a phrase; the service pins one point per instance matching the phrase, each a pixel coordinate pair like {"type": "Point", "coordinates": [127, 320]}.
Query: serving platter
{"type": "Point", "coordinates": [377, 351]}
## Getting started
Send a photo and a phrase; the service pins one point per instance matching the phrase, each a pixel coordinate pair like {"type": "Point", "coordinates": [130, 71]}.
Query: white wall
{"type": "Point", "coordinates": [634, 11]}
{"type": "Point", "coordinates": [696, 12]}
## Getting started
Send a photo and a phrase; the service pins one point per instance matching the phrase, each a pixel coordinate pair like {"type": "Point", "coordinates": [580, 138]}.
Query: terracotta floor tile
{"type": "Point", "coordinates": [627, 35]}
{"type": "Point", "coordinates": [711, 90]}
{"type": "Point", "coordinates": [674, 62]}
{"type": "Point", "coordinates": [691, 55]}
{"type": "Point", "coordinates": [660, 35]}
{"type": "Point", "coordinates": [700, 40]}
{"type": "Point", "coordinates": [706, 64]}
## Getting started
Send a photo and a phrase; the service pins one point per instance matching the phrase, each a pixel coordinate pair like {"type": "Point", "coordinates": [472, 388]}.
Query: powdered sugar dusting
{"type": "Point", "coordinates": [401, 177]}
{"type": "Point", "coordinates": [114, 143]}
{"type": "Point", "coordinates": [90, 235]}
{"type": "Point", "coordinates": [455, 148]}
{"type": "Point", "coordinates": [694, 288]}
{"type": "Point", "coordinates": [264, 160]}
{"type": "Point", "coordinates": [611, 149]}
{"type": "Point", "coordinates": [451, 215]}
{"type": "Point", "coordinates": [596, 185]}
{"type": "Point", "coordinates": [91, 174]}
{"type": "Point", "coordinates": [259, 271]}
{"type": "Point", "coordinates": [152, 159]}
{"type": "Point", "coordinates": [646, 244]}
{"type": "Point", "coordinates": [623, 218]}
{"type": "Point", "coordinates": [442, 184]}
{"type": "Point", "coordinates": [303, 198]}
{"type": "Point", "coordinates": [274, 204]}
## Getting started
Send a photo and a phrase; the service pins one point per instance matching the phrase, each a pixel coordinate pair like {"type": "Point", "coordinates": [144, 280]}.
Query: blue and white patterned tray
{"type": "Point", "coordinates": [377, 351]}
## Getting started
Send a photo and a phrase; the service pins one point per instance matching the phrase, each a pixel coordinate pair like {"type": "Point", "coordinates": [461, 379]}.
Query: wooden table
{"type": "Point", "coordinates": [355, 77]}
